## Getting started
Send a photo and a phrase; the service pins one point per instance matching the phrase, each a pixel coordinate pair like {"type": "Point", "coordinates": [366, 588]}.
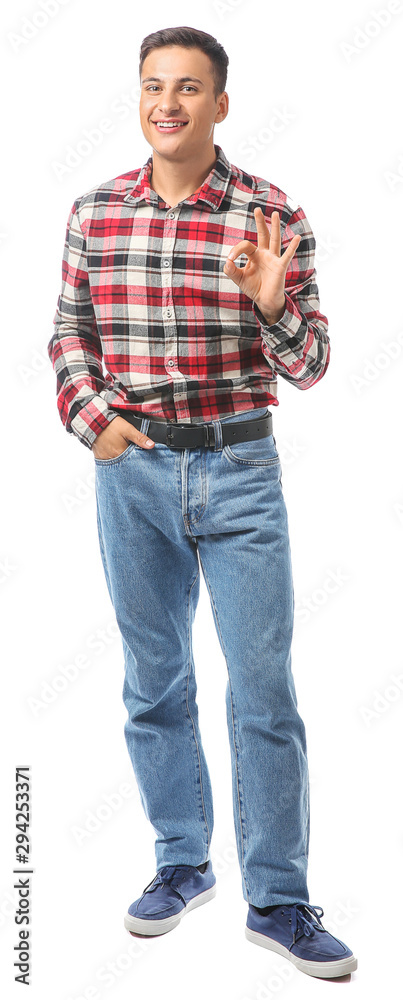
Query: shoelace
{"type": "Point", "coordinates": [166, 875]}
{"type": "Point", "coordinates": [304, 923]}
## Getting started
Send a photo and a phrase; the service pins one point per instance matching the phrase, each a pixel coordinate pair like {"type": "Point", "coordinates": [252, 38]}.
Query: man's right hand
{"type": "Point", "coordinates": [116, 437]}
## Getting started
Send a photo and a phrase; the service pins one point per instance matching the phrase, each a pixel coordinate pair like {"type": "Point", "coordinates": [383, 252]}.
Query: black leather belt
{"type": "Point", "coordinates": [199, 435]}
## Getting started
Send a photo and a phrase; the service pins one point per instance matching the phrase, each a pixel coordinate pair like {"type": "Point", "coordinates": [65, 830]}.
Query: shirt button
{"type": "Point", "coordinates": [171, 215]}
{"type": "Point", "coordinates": [166, 263]}
{"type": "Point", "coordinates": [170, 362]}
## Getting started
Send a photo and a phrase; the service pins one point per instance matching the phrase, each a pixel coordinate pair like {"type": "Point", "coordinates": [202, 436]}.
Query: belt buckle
{"type": "Point", "coordinates": [209, 436]}
{"type": "Point", "coordinates": [171, 434]}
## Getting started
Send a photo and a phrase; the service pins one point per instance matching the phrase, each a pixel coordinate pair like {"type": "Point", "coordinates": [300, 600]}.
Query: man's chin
{"type": "Point", "coordinates": [170, 151]}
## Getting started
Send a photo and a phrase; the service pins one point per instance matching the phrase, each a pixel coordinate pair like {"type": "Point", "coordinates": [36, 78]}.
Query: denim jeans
{"type": "Point", "coordinates": [162, 514]}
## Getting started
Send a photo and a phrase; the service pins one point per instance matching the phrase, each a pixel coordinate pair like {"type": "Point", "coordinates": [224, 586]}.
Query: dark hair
{"type": "Point", "coordinates": [190, 38]}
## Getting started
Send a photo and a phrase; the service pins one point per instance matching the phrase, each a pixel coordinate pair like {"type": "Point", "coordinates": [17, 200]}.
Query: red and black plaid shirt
{"type": "Point", "coordinates": [144, 291]}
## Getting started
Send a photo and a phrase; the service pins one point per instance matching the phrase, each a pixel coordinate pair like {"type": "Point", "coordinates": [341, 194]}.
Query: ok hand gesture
{"type": "Point", "coordinates": [263, 277]}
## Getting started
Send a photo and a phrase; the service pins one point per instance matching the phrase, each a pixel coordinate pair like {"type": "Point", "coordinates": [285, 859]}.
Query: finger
{"type": "Point", "coordinates": [275, 234]}
{"type": "Point", "coordinates": [142, 440]}
{"type": "Point", "coordinates": [263, 234]}
{"type": "Point", "coordinates": [245, 246]}
{"type": "Point", "coordinates": [269, 239]}
{"type": "Point", "coordinates": [290, 251]}
{"type": "Point", "coordinates": [131, 433]}
{"type": "Point", "coordinates": [235, 273]}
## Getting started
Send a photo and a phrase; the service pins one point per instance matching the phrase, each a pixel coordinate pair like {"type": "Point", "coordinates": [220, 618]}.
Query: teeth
{"type": "Point", "coordinates": [170, 124]}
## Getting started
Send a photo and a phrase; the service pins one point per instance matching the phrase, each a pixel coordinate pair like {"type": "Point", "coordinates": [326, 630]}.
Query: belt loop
{"type": "Point", "coordinates": [218, 441]}
{"type": "Point", "coordinates": [145, 423]}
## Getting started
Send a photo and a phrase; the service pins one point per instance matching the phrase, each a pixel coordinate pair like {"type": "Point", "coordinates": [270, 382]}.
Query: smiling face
{"type": "Point", "coordinates": [177, 83]}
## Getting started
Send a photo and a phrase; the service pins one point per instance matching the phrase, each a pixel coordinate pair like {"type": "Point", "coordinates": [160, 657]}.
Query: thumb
{"type": "Point", "coordinates": [141, 439]}
{"type": "Point", "coordinates": [233, 271]}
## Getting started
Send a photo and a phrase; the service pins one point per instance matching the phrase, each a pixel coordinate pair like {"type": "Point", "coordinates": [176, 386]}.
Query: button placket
{"type": "Point", "coordinates": [168, 316]}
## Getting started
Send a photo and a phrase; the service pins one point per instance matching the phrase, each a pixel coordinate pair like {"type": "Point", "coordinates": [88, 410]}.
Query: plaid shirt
{"type": "Point", "coordinates": [143, 289]}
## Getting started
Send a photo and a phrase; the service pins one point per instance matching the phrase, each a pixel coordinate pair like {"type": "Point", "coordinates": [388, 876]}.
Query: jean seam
{"type": "Point", "coordinates": [237, 768]}
{"type": "Point", "coordinates": [102, 547]}
{"type": "Point", "coordinates": [190, 715]}
{"type": "Point", "coordinates": [194, 520]}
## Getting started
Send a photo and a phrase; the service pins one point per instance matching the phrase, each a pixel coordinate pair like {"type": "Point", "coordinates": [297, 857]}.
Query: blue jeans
{"type": "Point", "coordinates": [162, 514]}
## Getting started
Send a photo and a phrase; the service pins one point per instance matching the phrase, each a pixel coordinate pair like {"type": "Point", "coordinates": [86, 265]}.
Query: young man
{"type": "Point", "coordinates": [188, 475]}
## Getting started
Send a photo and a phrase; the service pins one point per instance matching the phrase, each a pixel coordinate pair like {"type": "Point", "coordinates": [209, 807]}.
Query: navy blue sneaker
{"type": "Point", "coordinates": [296, 932]}
{"type": "Point", "coordinates": [174, 891]}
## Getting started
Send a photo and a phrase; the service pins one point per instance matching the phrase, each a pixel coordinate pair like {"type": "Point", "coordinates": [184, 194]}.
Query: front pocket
{"type": "Point", "coordinates": [118, 458]}
{"type": "Point", "coordinates": [262, 451]}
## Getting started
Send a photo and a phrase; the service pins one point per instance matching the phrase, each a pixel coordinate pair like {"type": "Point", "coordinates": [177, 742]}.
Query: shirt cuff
{"type": "Point", "coordinates": [291, 325]}
{"type": "Point", "coordinates": [91, 420]}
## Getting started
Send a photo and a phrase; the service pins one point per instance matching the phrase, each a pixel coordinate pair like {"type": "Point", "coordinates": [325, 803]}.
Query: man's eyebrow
{"type": "Point", "coordinates": [179, 79]}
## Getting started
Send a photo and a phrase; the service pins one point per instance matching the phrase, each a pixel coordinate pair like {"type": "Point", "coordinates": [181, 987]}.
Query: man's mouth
{"type": "Point", "coordinates": [170, 126]}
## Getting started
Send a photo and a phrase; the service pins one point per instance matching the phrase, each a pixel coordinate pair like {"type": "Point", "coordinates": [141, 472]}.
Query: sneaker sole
{"type": "Point", "coordinates": [323, 970]}
{"type": "Point", "coordinates": [139, 925]}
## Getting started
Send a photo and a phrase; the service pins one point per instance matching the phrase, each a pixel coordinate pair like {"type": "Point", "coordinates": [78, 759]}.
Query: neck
{"type": "Point", "coordinates": [175, 180]}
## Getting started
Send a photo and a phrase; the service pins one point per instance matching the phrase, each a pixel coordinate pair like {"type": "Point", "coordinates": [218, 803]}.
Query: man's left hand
{"type": "Point", "coordinates": [263, 277]}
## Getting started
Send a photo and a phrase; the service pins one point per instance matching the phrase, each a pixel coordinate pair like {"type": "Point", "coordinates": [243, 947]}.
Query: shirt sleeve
{"type": "Point", "coordinates": [298, 345]}
{"type": "Point", "coordinates": [75, 349]}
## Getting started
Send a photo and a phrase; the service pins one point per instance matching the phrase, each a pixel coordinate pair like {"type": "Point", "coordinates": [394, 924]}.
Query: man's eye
{"type": "Point", "coordinates": [186, 87]}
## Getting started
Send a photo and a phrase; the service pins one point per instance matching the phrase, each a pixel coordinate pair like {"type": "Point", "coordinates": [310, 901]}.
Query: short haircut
{"type": "Point", "coordinates": [190, 38]}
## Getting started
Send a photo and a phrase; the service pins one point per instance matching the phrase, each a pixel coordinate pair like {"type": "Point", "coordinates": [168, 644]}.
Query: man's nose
{"type": "Point", "coordinates": [169, 104]}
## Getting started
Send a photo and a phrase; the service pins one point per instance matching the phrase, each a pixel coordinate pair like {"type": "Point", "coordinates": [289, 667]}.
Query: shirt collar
{"type": "Point", "coordinates": [212, 190]}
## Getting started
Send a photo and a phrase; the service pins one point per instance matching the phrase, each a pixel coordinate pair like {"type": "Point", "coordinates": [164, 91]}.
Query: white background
{"type": "Point", "coordinates": [335, 72]}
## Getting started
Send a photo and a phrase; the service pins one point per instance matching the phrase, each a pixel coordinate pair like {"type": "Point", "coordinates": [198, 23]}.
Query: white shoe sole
{"type": "Point", "coordinates": [323, 970]}
{"type": "Point", "coordinates": [138, 925]}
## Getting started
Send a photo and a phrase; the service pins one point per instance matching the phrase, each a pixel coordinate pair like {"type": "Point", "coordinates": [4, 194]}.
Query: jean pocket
{"type": "Point", "coordinates": [261, 451]}
{"type": "Point", "coordinates": [118, 458]}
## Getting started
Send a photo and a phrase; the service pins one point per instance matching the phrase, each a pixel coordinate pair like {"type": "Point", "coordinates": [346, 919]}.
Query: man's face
{"type": "Point", "coordinates": [178, 83]}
